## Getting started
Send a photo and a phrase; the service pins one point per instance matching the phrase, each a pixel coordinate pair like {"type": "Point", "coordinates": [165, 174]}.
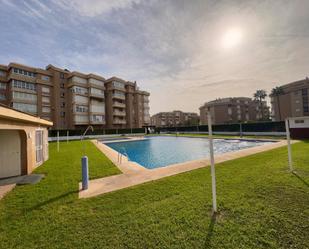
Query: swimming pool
{"type": "Point", "coordinates": [155, 152]}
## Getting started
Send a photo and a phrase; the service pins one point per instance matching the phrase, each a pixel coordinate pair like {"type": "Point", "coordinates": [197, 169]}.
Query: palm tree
{"type": "Point", "coordinates": [276, 92]}
{"type": "Point", "coordinates": [259, 96]}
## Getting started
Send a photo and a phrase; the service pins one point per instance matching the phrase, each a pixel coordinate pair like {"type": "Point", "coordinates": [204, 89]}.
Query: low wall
{"type": "Point", "coordinates": [64, 138]}
{"type": "Point", "coordinates": [232, 133]}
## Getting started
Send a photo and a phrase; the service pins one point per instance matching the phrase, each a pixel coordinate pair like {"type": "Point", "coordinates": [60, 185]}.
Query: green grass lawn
{"type": "Point", "coordinates": [261, 205]}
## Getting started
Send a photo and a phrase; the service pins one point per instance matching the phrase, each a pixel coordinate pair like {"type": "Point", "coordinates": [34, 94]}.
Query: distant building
{"type": "Point", "coordinates": [290, 100]}
{"type": "Point", "coordinates": [73, 100]}
{"type": "Point", "coordinates": [234, 110]}
{"type": "Point", "coordinates": [174, 118]}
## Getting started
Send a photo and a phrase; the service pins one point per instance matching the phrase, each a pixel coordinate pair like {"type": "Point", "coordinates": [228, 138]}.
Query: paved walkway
{"type": "Point", "coordinates": [7, 184]}
{"type": "Point", "coordinates": [5, 189]}
{"type": "Point", "coordinates": [134, 174]}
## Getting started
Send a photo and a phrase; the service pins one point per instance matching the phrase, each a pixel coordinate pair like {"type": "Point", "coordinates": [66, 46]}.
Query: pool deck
{"type": "Point", "coordinates": [134, 174]}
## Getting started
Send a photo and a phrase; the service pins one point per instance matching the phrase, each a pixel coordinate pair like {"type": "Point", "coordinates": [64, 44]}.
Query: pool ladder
{"type": "Point", "coordinates": [119, 159]}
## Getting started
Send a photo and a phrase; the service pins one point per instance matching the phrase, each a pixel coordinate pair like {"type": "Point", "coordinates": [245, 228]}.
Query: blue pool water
{"type": "Point", "coordinates": [154, 152]}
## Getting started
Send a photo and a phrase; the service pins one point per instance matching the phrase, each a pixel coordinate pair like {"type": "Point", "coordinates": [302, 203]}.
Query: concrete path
{"type": "Point", "coordinates": [134, 174]}
{"type": "Point", "coordinates": [5, 189]}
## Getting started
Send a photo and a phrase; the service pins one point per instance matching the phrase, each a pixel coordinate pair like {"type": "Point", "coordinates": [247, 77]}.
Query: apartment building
{"type": "Point", "coordinates": [290, 100]}
{"type": "Point", "coordinates": [73, 100]}
{"type": "Point", "coordinates": [174, 118]}
{"type": "Point", "coordinates": [234, 110]}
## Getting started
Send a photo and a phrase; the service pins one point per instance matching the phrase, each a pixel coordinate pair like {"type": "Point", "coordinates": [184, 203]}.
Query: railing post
{"type": "Point", "coordinates": [85, 173]}
{"type": "Point", "coordinates": [212, 166]}
{"type": "Point", "coordinates": [288, 138]}
{"type": "Point", "coordinates": [58, 141]}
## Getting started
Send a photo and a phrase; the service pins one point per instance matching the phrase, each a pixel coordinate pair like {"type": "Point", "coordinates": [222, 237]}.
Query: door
{"type": "Point", "coordinates": [39, 146]}
{"type": "Point", "coordinates": [10, 153]}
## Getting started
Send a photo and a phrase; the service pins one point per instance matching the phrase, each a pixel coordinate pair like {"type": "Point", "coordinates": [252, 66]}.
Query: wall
{"type": "Point", "coordinates": [27, 133]}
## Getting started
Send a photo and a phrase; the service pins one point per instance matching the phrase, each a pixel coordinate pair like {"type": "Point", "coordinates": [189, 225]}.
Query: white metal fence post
{"type": "Point", "coordinates": [58, 141]}
{"type": "Point", "coordinates": [67, 136]}
{"type": "Point", "coordinates": [212, 165]}
{"type": "Point", "coordinates": [288, 138]}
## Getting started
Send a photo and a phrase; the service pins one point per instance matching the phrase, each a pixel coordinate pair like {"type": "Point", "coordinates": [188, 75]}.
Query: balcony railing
{"type": "Point", "coordinates": [118, 104]}
{"type": "Point", "coordinates": [119, 121]}
{"type": "Point", "coordinates": [97, 95]}
{"type": "Point", "coordinates": [119, 96]}
{"type": "Point", "coordinates": [119, 113]}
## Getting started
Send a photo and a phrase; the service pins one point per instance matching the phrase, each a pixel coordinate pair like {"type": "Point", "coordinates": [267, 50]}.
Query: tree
{"type": "Point", "coordinates": [259, 96]}
{"type": "Point", "coordinates": [276, 92]}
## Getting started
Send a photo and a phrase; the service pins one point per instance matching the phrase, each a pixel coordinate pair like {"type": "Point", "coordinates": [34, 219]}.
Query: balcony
{"type": "Point", "coordinates": [119, 113]}
{"type": "Point", "coordinates": [119, 104]}
{"type": "Point", "coordinates": [97, 95]}
{"type": "Point", "coordinates": [95, 82]}
{"type": "Point", "coordinates": [119, 121]}
{"type": "Point", "coordinates": [119, 96]}
{"type": "Point", "coordinates": [97, 109]}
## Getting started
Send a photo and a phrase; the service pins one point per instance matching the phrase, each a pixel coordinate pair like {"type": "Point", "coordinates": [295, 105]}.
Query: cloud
{"type": "Point", "coordinates": [170, 47]}
{"type": "Point", "coordinates": [94, 8]}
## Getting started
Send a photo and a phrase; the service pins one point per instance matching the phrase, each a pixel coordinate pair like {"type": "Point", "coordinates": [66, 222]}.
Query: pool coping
{"type": "Point", "coordinates": [134, 174]}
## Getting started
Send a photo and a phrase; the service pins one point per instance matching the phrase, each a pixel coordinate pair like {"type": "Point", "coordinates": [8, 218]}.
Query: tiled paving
{"type": "Point", "coordinates": [134, 174]}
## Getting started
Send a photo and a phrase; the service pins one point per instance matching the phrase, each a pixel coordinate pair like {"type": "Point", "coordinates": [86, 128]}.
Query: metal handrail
{"type": "Point", "coordinates": [124, 153]}
{"type": "Point", "coordinates": [82, 138]}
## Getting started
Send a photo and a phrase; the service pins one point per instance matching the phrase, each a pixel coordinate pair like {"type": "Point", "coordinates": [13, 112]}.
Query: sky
{"type": "Point", "coordinates": [184, 53]}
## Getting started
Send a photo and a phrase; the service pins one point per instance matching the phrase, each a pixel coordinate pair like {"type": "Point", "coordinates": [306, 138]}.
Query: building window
{"type": "Point", "coordinates": [39, 146]}
{"type": "Point", "coordinates": [304, 91]}
{"type": "Point", "coordinates": [96, 91]}
{"type": "Point", "coordinates": [24, 85]}
{"type": "Point", "coordinates": [24, 72]}
{"type": "Point", "coordinates": [24, 96]}
{"type": "Point", "coordinates": [2, 96]}
{"type": "Point", "coordinates": [45, 77]}
{"type": "Point", "coordinates": [79, 90]}
{"type": "Point", "coordinates": [96, 82]}
{"type": "Point", "coordinates": [61, 75]}
{"type": "Point", "coordinates": [45, 100]}
{"type": "Point", "coordinates": [25, 107]}
{"type": "Point", "coordinates": [62, 114]}
{"type": "Point", "coordinates": [45, 89]}
{"type": "Point", "coordinates": [305, 100]}
{"type": "Point", "coordinates": [119, 94]}
{"type": "Point", "coordinates": [97, 118]}
{"type": "Point", "coordinates": [80, 99]}
{"type": "Point", "coordinates": [46, 109]}
{"type": "Point", "coordinates": [62, 104]}
{"type": "Point", "coordinates": [2, 73]}
{"type": "Point", "coordinates": [2, 85]}
{"type": "Point", "coordinates": [80, 108]}
{"type": "Point", "coordinates": [301, 121]}
{"type": "Point", "coordinates": [79, 80]}
{"type": "Point", "coordinates": [81, 119]}
{"type": "Point", "coordinates": [117, 84]}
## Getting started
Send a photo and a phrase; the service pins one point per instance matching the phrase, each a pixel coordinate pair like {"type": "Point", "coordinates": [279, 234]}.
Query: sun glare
{"type": "Point", "coordinates": [231, 38]}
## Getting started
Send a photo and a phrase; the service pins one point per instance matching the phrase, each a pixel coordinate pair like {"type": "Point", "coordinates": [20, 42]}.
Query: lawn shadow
{"type": "Point", "coordinates": [210, 230]}
{"type": "Point", "coordinates": [51, 200]}
{"type": "Point", "coordinates": [300, 178]}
